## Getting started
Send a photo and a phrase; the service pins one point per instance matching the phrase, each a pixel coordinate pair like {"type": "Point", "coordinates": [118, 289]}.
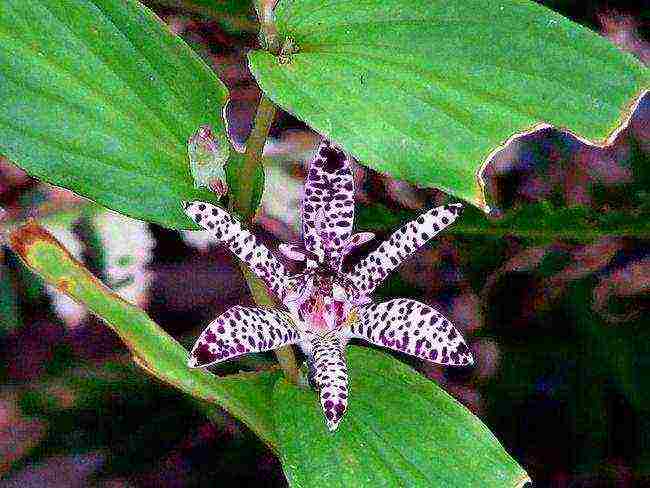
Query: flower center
{"type": "Point", "coordinates": [322, 305]}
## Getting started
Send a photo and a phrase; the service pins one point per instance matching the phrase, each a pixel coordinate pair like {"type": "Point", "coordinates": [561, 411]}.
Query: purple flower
{"type": "Point", "coordinates": [324, 306]}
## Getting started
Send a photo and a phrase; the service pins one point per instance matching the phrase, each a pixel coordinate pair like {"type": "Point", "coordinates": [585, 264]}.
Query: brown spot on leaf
{"type": "Point", "coordinates": [63, 285]}
{"type": "Point", "coordinates": [24, 237]}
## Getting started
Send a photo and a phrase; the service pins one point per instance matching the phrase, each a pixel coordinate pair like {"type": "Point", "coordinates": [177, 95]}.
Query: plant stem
{"type": "Point", "coordinates": [243, 200]}
{"type": "Point", "coordinates": [284, 355]}
{"type": "Point", "coordinates": [242, 203]}
{"type": "Point", "coordinates": [268, 35]}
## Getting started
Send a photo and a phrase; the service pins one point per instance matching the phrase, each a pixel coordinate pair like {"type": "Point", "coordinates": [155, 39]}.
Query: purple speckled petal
{"type": "Point", "coordinates": [328, 203]}
{"type": "Point", "coordinates": [413, 328]}
{"type": "Point", "coordinates": [242, 330]}
{"type": "Point", "coordinates": [405, 241]}
{"type": "Point", "coordinates": [331, 377]}
{"type": "Point", "coordinates": [242, 243]}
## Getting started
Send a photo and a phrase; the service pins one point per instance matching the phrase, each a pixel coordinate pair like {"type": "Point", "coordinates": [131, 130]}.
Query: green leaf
{"type": "Point", "coordinates": [100, 97]}
{"type": "Point", "coordinates": [427, 91]}
{"type": "Point", "coordinates": [400, 430]}
{"type": "Point", "coordinates": [539, 222]}
{"type": "Point", "coordinates": [245, 395]}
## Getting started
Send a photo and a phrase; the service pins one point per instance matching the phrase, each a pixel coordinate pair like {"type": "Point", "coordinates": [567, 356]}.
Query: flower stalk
{"type": "Point", "coordinates": [268, 36]}
{"type": "Point", "coordinates": [242, 203]}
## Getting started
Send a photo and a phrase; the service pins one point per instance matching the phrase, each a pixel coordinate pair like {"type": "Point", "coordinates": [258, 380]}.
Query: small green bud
{"type": "Point", "coordinates": [208, 155]}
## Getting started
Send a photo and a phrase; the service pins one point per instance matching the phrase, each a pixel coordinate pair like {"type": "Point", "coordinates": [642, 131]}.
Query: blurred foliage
{"type": "Point", "coordinates": [9, 311]}
{"type": "Point", "coordinates": [233, 16]}
{"type": "Point", "coordinates": [157, 352]}
{"type": "Point", "coordinates": [86, 413]}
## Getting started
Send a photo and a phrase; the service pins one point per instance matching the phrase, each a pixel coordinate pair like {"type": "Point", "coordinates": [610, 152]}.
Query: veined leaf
{"type": "Point", "coordinates": [428, 91]}
{"type": "Point", "coordinates": [246, 395]}
{"type": "Point", "coordinates": [98, 96]}
{"type": "Point", "coordinates": [400, 430]}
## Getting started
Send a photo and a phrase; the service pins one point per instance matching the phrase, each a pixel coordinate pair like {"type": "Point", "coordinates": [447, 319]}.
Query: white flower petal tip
{"type": "Point", "coordinates": [470, 358]}
{"type": "Point", "coordinates": [239, 331]}
{"type": "Point", "coordinates": [334, 411]}
{"type": "Point", "coordinates": [456, 208]}
{"type": "Point", "coordinates": [333, 425]}
{"type": "Point", "coordinates": [331, 378]}
{"type": "Point", "coordinates": [404, 242]}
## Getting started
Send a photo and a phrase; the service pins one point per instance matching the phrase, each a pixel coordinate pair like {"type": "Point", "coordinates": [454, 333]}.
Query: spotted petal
{"type": "Point", "coordinates": [375, 267]}
{"type": "Point", "coordinates": [242, 243]}
{"type": "Point", "coordinates": [328, 204]}
{"type": "Point", "coordinates": [413, 328]}
{"type": "Point", "coordinates": [331, 377]}
{"type": "Point", "coordinates": [242, 330]}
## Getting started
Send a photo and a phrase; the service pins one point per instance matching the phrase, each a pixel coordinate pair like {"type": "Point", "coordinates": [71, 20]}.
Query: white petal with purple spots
{"type": "Point", "coordinates": [328, 204]}
{"type": "Point", "coordinates": [373, 269]}
{"type": "Point", "coordinates": [331, 377]}
{"type": "Point", "coordinates": [291, 252]}
{"type": "Point", "coordinates": [413, 328]}
{"type": "Point", "coordinates": [242, 330]}
{"type": "Point", "coordinates": [228, 230]}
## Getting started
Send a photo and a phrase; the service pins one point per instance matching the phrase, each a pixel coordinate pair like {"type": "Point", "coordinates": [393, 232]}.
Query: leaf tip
{"type": "Point", "coordinates": [524, 481]}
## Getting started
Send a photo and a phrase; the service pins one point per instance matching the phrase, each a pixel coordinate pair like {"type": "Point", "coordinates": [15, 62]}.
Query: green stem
{"type": "Point", "coordinates": [268, 35]}
{"type": "Point", "coordinates": [284, 355]}
{"type": "Point", "coordinates": [242, 203]}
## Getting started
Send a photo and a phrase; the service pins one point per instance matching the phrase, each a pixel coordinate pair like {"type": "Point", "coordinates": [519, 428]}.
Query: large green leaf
{"type": "Point", "coordinates": [426, 91]}
{"type": "Point", "coordinates": [400, 430]}
{"type": "Point", "coordinates": [100, 97]}
{"type": "Point", "coordinates": [245, 395]}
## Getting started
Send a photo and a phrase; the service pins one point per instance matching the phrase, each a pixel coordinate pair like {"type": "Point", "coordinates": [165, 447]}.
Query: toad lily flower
{"type": "Point", "coordinates": [325, 306]}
